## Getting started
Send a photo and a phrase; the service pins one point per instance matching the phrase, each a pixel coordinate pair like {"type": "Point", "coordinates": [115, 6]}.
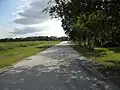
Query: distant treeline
{"type": "Point", "coordinates": [37, 38]}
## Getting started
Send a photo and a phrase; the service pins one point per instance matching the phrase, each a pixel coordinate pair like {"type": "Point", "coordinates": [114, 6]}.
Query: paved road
{"type": "Point", "coordinates": [53, 69]}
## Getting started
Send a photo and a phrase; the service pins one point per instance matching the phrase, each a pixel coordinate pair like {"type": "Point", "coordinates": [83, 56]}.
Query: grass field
{"type": "Point", "coordinates": [11, 52]}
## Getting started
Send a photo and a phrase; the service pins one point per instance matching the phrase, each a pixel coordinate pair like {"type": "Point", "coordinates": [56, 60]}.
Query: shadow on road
{"type": "Point", "coordinates": [41, 77]}
{"type": "Point", "coordinates": [56, 68]}
{"type": "Point", "coordinates": [112, 72]}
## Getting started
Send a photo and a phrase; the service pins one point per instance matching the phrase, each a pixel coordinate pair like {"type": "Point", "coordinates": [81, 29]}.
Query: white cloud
{"type": "Point", "coordinates": [33, 22]}
{"type": "Point", "coordinates": [4, 33]}
{"type": "Point", "coordinates": [26, 21]}
{"type": "Point", "coordinates": [32, 13]}
{"type": "Point", "coordinates": [25, 30]}
{"type": "Point", "coordinates": [54, 28]}
{"type": "Point", "coordinates": [48, 28]}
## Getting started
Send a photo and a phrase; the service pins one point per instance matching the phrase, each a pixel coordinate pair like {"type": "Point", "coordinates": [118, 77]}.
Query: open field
{"type": "Point", "coordinates": [11, 52]}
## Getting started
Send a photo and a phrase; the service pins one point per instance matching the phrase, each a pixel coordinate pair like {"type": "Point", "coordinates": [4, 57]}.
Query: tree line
{"type": "Point", "coordinates": [37, 38]}
{"type": "Point", "coordinates": [89, 22]}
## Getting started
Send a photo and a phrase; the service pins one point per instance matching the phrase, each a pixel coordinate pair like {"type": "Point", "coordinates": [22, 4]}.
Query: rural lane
{"type": "Point", "coordinates": [56, 68]}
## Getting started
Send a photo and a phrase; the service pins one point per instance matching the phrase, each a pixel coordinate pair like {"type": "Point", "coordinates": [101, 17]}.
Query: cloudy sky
{"type": "Point", "coordinates": [22, 18]}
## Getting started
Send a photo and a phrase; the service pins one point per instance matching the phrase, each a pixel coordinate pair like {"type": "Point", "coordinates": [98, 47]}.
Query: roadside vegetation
{"type": "Point", "coordinates": [11, 52]}
{"type": "Point", "coordinates": [94, 25]}
{"type": "Point", "coordinates": [101, 55]}
{"type": "Point", "coordinates": [107, 60]}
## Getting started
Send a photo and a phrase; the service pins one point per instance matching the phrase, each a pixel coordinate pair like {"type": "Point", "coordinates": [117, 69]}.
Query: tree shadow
{"type": "Point", "coordinates": [116, 50]}
{"type": "Point", "coordinates": [65, 77]}
{"type": "Point", "coordinates": [89, 52]}
{"type": "Point", "coordinates": [111, 71]}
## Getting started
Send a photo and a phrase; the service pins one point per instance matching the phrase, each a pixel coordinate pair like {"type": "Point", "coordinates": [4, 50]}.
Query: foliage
{"type": "Point", "coordinates": [92, 22]}
{"type": "Point", "coordinates": [37, 38]}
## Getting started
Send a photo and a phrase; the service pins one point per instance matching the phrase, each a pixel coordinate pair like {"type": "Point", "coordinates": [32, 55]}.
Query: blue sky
{"type": "Point", "coordinates": [7, 7]}
{"type": "Point", "coordinates": [22, 18]}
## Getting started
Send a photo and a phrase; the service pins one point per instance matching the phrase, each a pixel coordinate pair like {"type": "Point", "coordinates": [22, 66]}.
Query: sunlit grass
{"type": "Point", "coordinates": [14, 51]}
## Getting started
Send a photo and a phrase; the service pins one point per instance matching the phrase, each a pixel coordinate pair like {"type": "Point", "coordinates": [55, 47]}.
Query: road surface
{"type": "Point", "coordinates": [53, 69]}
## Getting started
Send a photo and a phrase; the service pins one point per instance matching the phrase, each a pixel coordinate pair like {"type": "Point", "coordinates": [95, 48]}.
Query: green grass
{"type": "Point", "coordinates": [101, 55]}
{"type": "Point", "coordinates": [111, 55]}
{"type": "Point", "coordinates": [11, 52]}
{"type": "Point", "coordinates": [109, 58]}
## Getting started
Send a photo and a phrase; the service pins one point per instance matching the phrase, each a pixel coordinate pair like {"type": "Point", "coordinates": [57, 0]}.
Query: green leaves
{"type": "Point", "coordinates": [89, 20]}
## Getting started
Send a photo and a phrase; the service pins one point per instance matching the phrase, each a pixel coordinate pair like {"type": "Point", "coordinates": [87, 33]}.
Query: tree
{"type": "Point", "coordinates": [91, 21]}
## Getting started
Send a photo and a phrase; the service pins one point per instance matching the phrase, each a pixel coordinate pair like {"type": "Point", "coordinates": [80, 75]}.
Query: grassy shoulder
{"type": "Point", "coordinates": [109, 58]}
{"type": "Point", "coordinates": [100, 55]}
{"type": "Point", "coordinates": [11, 52]}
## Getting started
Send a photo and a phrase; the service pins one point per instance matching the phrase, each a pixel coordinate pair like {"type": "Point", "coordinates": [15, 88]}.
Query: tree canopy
{"type": "Point", "coordinates": [92, 22]}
